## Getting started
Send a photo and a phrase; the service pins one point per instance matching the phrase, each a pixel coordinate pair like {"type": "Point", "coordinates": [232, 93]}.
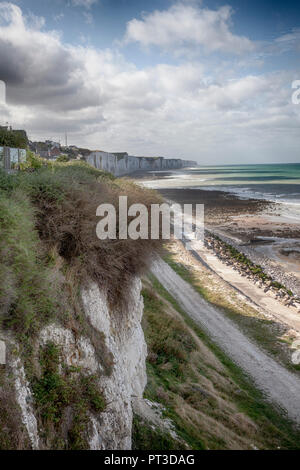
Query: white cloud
{"type": "Point", "coordinates": [103, 101]}
{"type": "Point", "coordinates": [188, 25]}
{"type": "Point", "coordinates": [84, 3]}
{"type": "Point", "coordinates": [289, 41]}
{"type": "Point", "coordinates": [38, 68]}
{"type": "Point", "coordinates": [292, 36]}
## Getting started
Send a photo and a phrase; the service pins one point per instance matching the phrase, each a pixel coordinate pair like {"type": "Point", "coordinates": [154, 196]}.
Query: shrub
{"type": "Point", "coordinates": [27, 291]}
{"type": "Point", "coordinates": [33, 161]}
{"type": "Point", "coordinates": [145, 436]}
{"type": "Point", "coordinates": [54, 208]}
{"type": "Point", "coordinates": [15, 139]}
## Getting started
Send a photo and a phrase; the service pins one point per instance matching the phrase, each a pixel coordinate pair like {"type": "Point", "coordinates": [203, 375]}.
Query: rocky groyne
{"type": "Point", "coordinates": [255, 273]}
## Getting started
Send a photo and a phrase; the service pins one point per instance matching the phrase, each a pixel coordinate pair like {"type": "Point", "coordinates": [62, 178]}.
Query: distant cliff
{"type": "Point", "coordinates": [122, 164]}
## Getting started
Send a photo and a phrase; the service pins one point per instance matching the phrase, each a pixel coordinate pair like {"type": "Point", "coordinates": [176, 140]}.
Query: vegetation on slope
{"type": "Point", "coordinates": [28, 289]}
{"type": "Point", "coordinates": [64, 199]}
{"type": "Point", "coordinates": [59, 393]}
{"type": "Point", "coordinates": [48, 249]}
{"type": "Point", "coordinates": [211, 402]}
{"type": "Point", "coordinates": [269, 334]}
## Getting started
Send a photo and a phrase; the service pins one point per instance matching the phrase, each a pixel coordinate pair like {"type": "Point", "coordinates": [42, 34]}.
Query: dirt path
{"type": "Point", "coordinates": [278, 384]}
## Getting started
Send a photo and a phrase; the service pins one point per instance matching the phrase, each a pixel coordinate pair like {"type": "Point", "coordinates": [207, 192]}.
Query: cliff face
{"type": "Point", "coordinates": [72, 351]}
{"type": "Point", "coordinates": [123, 342]}
{"type": "Point", "coordinates": [124, 164]}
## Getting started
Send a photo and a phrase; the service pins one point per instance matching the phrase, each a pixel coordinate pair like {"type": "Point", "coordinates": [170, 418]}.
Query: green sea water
{"type": "Point", "coordinates": [274, 182]}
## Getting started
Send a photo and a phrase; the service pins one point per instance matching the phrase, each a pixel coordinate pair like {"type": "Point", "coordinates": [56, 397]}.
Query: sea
{"type": "Point", "coordinates": [273, 182]}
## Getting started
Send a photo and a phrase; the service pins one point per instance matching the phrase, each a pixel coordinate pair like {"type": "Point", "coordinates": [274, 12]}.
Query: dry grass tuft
{"type": "Point", "coordinates": [65, 198]}
{"type": "Point", "coordinates": [69, 223]}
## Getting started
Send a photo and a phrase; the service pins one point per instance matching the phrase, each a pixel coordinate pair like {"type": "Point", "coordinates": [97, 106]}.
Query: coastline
{"type": "Point", "coordinates": [255, 227]}
{"type": "Point", "coordinates": [258, 230]}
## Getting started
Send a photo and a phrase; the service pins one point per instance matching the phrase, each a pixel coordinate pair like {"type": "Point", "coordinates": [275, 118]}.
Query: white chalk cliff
{"type": "Point", "coordinates": [124, 340]}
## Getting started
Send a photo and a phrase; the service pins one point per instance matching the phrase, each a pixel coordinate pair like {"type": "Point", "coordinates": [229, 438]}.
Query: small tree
{"type": "Point", "coordinates": [16, 139]}
{"type": "Point", "coordinates": [32, 161]}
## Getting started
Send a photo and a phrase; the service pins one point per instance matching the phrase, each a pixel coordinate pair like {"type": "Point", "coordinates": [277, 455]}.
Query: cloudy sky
{"type": "Point", "coordinates": [208, 80]}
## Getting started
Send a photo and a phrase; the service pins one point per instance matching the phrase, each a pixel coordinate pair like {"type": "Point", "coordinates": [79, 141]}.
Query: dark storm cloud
{"type": "Point", "coordinates": [38, 69]}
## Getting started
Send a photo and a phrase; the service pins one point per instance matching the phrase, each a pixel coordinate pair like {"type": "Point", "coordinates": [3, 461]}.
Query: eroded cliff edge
{"type": "Point", "coordinates": [119, 369]}
{"type": "Point", "coordinates": [72, 349]}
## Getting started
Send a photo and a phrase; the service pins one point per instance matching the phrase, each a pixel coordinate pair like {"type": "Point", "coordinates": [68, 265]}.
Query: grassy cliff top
{"type": "Point", "coordinates": [48, 218]}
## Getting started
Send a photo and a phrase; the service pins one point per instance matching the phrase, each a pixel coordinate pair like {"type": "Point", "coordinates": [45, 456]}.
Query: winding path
{"type": "Point", "coordinates": [279, 385]}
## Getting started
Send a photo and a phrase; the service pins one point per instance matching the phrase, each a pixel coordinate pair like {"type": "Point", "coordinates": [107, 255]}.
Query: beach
{"type": "Point", "coordinates": [258, 219]}
{"type": "Point", "coordinates": [255, 227]}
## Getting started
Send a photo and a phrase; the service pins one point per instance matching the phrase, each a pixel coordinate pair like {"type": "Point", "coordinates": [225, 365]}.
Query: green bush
{"type": "Point", "coordinates": [33, 162]}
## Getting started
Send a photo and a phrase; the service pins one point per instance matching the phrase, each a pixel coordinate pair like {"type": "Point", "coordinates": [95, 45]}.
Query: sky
{"type": "Point", "coordinates": [204, 80]}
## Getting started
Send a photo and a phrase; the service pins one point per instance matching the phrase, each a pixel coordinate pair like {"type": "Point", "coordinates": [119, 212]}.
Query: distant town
{"type": "Point", "coordinates": [48, 149]}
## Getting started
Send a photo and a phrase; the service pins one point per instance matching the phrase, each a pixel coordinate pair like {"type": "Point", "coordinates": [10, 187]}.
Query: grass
{"type": "Point", "coordinates": [65, 197]}
{"type": "Point", "coordinates": [55, 391]}
{"type": "Point", "coordinates": [211, 401]}
{"type": "Point", "coordinates": [28, 290]}
{"type": "Point", "coordinates": [145, 437]}
{"type": "Point", "coordinates": [169, 346]}
{"type": "Point", "coordinates": [168, 341]}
